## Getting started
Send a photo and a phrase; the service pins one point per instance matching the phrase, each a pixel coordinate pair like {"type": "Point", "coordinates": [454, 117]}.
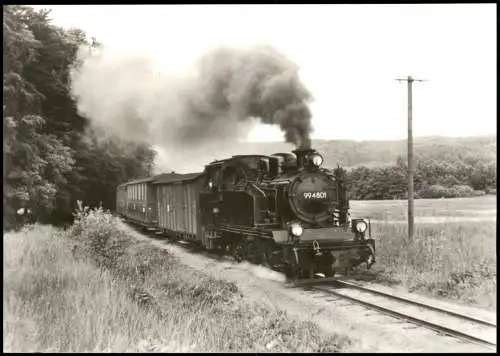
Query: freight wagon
{"type": "Point", "coordinates": [178, 204]}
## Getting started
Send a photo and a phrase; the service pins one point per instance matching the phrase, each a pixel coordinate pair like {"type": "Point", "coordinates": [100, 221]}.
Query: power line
{"type": "Point", "coordinates": [411, 168]}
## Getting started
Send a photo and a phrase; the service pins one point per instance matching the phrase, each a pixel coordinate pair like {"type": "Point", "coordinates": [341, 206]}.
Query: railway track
{"type": "Point", "coordinates": [447, 322]}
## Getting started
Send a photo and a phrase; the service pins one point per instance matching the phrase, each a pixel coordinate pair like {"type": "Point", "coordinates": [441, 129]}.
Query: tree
{"type": "Point", "coordinates": [51, 157]}
{"type": "Point", "coordinates": [34, 163]}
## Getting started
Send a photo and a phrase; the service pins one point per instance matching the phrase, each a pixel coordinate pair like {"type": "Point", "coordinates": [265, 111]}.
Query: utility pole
{"type": "Point", "coordinates": [411, 169]}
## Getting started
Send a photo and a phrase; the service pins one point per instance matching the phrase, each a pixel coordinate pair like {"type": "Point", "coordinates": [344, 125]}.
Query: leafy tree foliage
{"type": "Point", "coordinates": [432, 179]}
{"type": "Point", "coordinates": [51, 157]}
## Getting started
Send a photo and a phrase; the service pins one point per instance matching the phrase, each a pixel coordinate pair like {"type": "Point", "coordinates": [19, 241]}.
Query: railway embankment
{"type": "Point", "coordinates": [95, 287]}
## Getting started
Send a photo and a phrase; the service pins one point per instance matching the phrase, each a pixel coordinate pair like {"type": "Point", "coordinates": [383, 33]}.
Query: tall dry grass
{"type": "Point", "coordinates": [96, 288]}
{"type": "Point", "coordinates": [451, 259]}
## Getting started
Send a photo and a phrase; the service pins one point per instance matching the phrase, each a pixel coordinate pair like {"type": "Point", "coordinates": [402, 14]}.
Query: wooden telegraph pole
{"type": "Point", "coordinates": [411, 169]}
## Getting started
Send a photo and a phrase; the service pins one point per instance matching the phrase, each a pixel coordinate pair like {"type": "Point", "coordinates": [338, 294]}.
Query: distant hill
{"type": "Point", "coordinates": [371, 154]}
{"type": "Point", "coordinates": [383, 153]}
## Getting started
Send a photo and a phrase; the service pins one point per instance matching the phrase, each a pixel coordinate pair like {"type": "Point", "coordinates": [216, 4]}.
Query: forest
{"type": "Point", "coordinates": [54, 157]}
{"type": "Point", "coordinates": [432, 179]}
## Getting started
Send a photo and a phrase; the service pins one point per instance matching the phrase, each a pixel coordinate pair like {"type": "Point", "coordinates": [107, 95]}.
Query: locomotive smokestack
{"type": "Point", "coordinates": [301, 154]}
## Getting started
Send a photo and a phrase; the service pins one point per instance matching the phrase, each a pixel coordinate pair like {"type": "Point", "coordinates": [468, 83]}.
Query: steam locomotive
{"type": "Point", "coordinates": [283, 211]}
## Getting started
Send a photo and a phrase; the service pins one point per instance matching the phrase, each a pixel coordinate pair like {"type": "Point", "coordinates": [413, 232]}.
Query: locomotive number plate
{"type": "Point", "coordinates": [315, 195]}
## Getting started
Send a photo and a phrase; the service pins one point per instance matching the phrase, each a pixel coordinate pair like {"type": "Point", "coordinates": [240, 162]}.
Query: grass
{"type": "Point", "coordinates": [455, 259]}
{"type": "Point", "coordinates": [95, 288]}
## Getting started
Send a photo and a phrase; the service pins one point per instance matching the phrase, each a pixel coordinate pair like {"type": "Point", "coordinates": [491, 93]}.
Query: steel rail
{"type": "Point", "coordinates": [409, 318]}
{"type": "Point", "coordinates": [416, 303]}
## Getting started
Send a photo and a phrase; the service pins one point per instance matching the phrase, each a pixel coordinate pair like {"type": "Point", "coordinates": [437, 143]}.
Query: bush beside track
{"type": "Point", "coordinates": [94, 287]}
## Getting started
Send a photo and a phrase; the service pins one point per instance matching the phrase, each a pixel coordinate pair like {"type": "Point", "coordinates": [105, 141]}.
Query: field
{"type": "Point", "coordinates": [452, 255]}
{"type": "Point", "coordinates": [482, 208]}
{"type": "Point", "coordinates": [95, 288]}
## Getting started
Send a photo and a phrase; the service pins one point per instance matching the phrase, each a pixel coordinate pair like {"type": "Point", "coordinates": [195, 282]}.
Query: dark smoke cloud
{"type": "Point", "coordinates": [234, 85]}
{"type": "Point", "coordinates": [230, 90]}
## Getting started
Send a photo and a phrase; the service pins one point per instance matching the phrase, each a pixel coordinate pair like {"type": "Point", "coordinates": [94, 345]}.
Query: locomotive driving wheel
{"type": "Point", "coordinates": [293, 271]}
{"type": "Point", "coordinates": [237, 251]}
{"type": "Point", "coordinates": [265, 253]}
{"type": "Point", "coordinates": [266, 256]}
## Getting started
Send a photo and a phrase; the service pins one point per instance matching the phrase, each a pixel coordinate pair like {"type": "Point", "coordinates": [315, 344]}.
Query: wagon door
{"type": "Point", "coordinates": [190, 211]}
{"type": "Point", "coordinates": [170, 210]}
{"type": "Point", "coordinates": [152, 199]}
{"type": "Point", "coordinates": [159, 205]}
{"type": "Point", "coordinates": [179, 207]}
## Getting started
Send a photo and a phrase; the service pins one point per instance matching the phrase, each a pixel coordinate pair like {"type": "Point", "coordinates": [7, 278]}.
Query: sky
{"type": "Point", "coordinates": [349, 57]}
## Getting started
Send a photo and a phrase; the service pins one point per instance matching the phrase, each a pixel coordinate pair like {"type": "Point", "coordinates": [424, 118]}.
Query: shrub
{"type": "Point", "coordinates": [96, 233]}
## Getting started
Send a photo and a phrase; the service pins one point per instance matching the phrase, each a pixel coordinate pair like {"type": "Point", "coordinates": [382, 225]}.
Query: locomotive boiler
{"type": "Point", "coordinates": [284, 211]}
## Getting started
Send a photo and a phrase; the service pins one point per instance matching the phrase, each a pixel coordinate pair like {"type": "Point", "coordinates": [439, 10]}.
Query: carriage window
{"type": "Point", "coordinates": [217, 176]}
{"type": "Point", "coordinates": [229, 175]}
{"type": "Point", "coordinates": [264, 166]}
{"type": "Point", "coordinates": [273, 167]}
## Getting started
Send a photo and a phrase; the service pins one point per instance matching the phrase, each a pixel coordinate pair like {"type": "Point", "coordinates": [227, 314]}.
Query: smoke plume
{"type": "Point", "coordinates": [230, 91]}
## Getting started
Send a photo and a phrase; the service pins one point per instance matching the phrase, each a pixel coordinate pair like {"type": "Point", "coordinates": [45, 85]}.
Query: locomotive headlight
{"type": "Point", "coordinates": [296, 229]}
{"type": "Point", "coordinates": [360, 226]}
{"type": "Point", "coordinates": [317, 160]}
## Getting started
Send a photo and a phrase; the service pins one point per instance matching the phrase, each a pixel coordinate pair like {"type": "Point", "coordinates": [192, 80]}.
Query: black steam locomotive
{"type": "Point", "coordinates": [284, 211]}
